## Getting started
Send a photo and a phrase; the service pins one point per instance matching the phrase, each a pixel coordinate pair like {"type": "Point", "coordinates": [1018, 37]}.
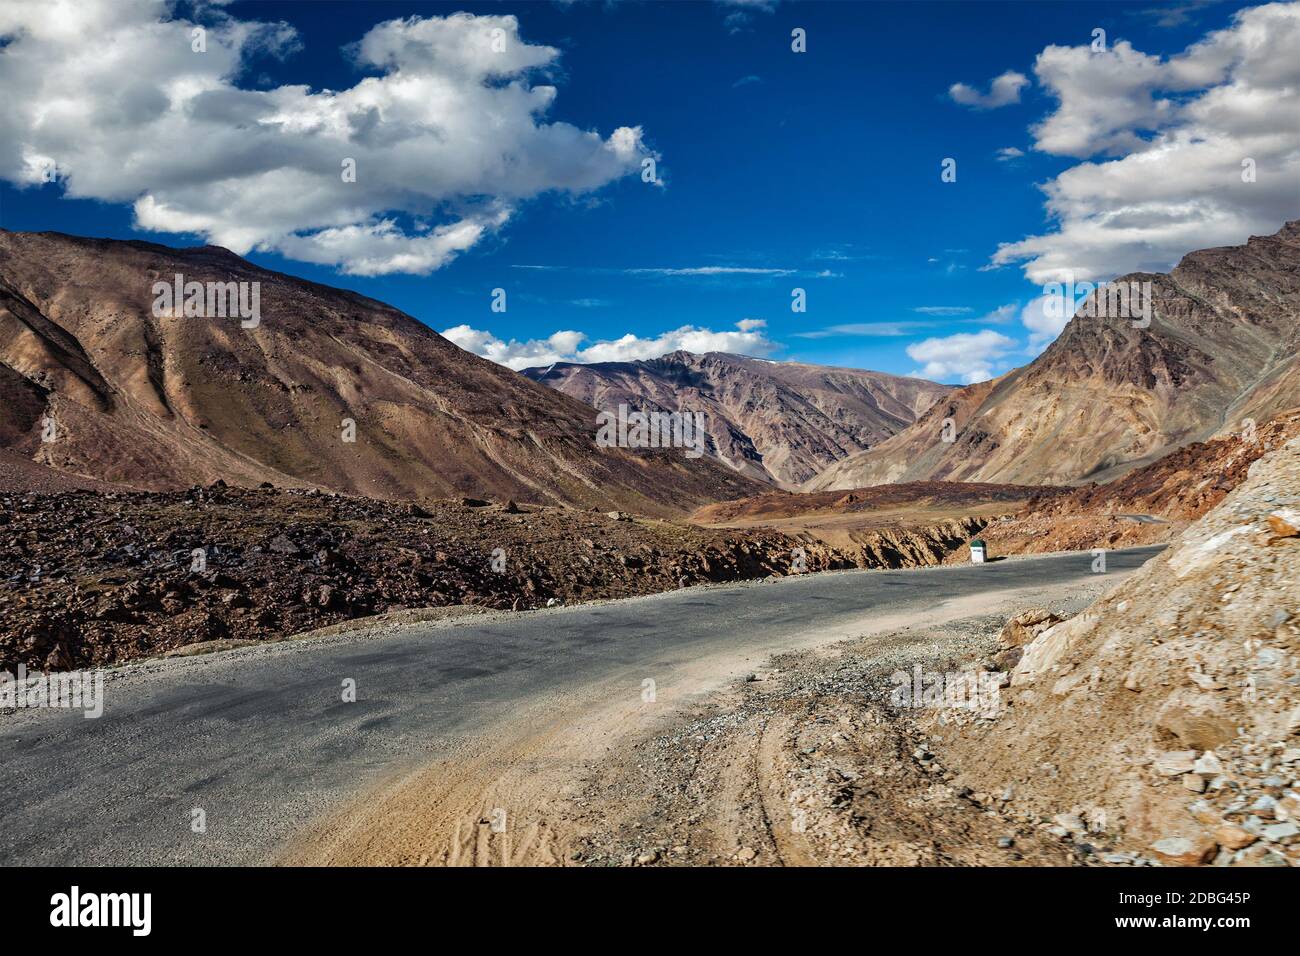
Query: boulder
{"type": "Point", "coordinates": [1049, 648]}
{"type": "Point", "coordinates": [1175, 763]}
{"type": "Point", "coordinates": [1185, 850]}
{"type": "Point", "coordinates": [1025, 626]}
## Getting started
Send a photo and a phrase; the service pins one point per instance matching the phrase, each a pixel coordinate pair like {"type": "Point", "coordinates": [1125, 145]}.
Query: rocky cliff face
{"type": "Point", "coordinates": [780, 422]}
{"type": "Point", "coordinates": [1108, 396]}
{"type": "Point", "coordinates": [160, 402]}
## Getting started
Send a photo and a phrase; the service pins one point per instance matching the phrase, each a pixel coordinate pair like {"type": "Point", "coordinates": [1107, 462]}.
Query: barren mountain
{"type": "Point", "coordinates": [1108, 396]}
{"type": "Point", "coordinates": [1148, 505]}
{"type": "Point", "coordinates": [165, 402]}
{"type": "Point", "coordinates": [1184, 484]}
{"type": "Point", "coordinates": [781, 422]}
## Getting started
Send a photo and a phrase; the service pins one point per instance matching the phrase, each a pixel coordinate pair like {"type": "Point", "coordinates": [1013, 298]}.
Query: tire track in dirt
{"type": "Point", "coordinates": [771, 767]}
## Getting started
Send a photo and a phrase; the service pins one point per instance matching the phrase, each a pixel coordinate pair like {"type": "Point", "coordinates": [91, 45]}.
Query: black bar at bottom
{"type": "Point", "coordinates": [217, 905]}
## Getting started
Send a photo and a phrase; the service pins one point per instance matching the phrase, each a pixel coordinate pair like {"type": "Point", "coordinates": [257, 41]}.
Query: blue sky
{"type": "Point", "coordinates": [818, 170]}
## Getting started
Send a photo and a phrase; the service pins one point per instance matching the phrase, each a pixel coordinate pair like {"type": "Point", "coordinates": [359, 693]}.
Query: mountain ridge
{"type": "Point", "coordinates": [778, 422]}
{"type": "Point", "coordinates": [1107, 397]}
{"type": "Point", "coordinates": [165, 402]}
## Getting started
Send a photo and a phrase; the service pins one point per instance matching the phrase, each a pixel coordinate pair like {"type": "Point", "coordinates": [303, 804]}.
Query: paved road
{"type": "Point", "coordinates": [262, 742]}
{"type": "Point", "coordinates": [1143, 519]}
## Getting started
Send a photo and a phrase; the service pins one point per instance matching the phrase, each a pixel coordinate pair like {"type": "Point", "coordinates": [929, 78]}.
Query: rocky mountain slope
{"type": "Point", "coordinates": [884, 503]}
{"type": "Point", "coordinates": [1148, 505]}
{"type": "Point", "coordinates": [781, 422]}
{"type": "Point", "coordinates": [166, 402]}
{"type": "Point", "coordinates": [1166, 717]}
{"type": "Point", "coordinates": [1106, 396]}
{"type": "Point", "coordinates": [1183, 485]}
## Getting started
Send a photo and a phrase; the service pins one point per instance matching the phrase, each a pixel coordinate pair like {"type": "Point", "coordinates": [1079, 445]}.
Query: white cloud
{"type": "Point", "coordinates": [1173, 134]}
{"type": "Point", "coordinates": [968, 356]}
{"type": "Point", "coordinates": [943, 309]}
{"type": "Point", "coordinates": [1173, 15]}
{"type": "Point", "coordinates": [1002, 314]}
{"type": "Point", "coordinates": [870, 329]}
{"type": "Point", "coordinates": [741, 10]}
{"type": "Point", "coordinates": [714, 271]}
{"type": "Point", "coordinates": [111, 91]}
{"type": "Point", "coordinates": [1044, 323]}
{"type": "Point", "coordinates": [844, 252]}
{"type": "Point", "coordinates": [567, 346]}
{"type": "Point", "coordinates": [1003, 91]}
{"type": "Point", "coordinates": [1008, 153]}
{"type": "Point", "coordinates": [677, 272]}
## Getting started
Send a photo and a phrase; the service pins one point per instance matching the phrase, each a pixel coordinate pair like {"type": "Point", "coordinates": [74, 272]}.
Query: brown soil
{"type": "Point", "coordinates": [856, 521]}
{"type": "Point", "coordinates": [806, 763]}
{"type": "Point", "coordinates": [21, 475]}
{"type": "Point", "coordinates": [1150, 505]}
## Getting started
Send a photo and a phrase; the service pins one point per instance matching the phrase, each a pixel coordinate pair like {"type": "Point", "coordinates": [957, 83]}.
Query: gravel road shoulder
{"type": "Point", "coordinates": [806, 762]}
{"type": "Point", "coordinates": [792, 760]}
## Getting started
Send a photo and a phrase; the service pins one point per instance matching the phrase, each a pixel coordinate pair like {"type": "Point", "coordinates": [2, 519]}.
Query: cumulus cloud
{"type": "Point", "coordinates": [1171, 136]}
{"type": "Point", "coordinates": [112, 93]}
{"type": "Point", "coordinates": [1003, 91]}
{"type": "Point", "coordinates": [567, 346]}
{"type": "Point", "coordinates": [1008, 153]}
{"type": "Point", "coordinates": [967, 356]}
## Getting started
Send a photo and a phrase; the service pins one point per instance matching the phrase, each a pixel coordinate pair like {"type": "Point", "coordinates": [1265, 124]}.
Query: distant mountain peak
{"type": "Point", "coordinates": [779, 422]}
{"type": "Point", "coordinates": [1110, 395]}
